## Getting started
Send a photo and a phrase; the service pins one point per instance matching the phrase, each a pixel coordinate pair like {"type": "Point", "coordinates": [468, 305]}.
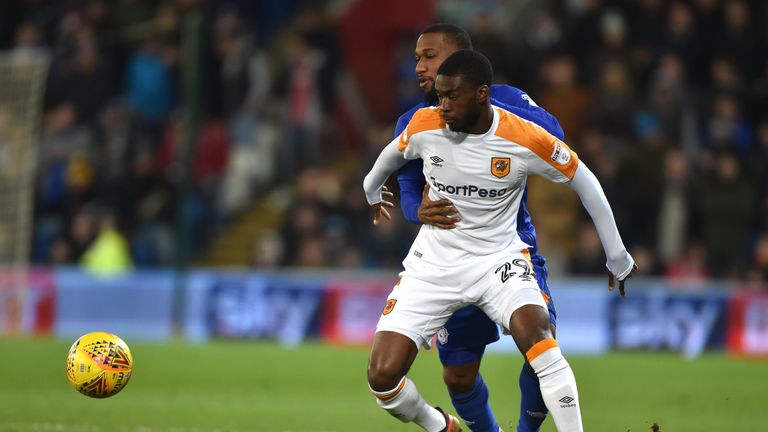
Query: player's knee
{"type": "Point", "coordinates": [529, 325]}
{"type": "Point", "coordinates": [384, 375]}
{"type": "Point", "coordinates": [460, 378]}
{"type": "Point", "coordinates": [532, 340]}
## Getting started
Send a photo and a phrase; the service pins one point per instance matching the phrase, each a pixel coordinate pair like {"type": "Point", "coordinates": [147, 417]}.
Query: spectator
{"type": "Point", "coordinates": [615, 101]}
{"type": "Point", "coordinates": [689, 268]}
{"type": "Point", "coordinates": [109, 254]}
{"type": "Point", "coordinates": [727, 130]}
{"type": "Point", "coordinates": [675, 202]}
{"type": "Point", "coordinates": [149, 82]}
{"type": "Point", "coordinates": [664, 100]}
{"type": "Point", "coordinates": [641, 205]}
{"type": "Point", "coordinates": [726, 208]}
{"type": "Point", "coordinates": [759, 272]}
{"type": "Point", "coordinates": [589, 260]}
{"type": "Point", "coordinates": [562, 94]}
{"type": "Point", "coordinates": [739, 38]}
{"type": "Point", "coordinates": [303, 116]}
{"type": "Point", "coordinates": [267, 251]}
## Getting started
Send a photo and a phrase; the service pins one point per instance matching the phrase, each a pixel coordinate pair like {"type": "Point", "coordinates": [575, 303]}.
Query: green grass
{"type": "Point", "coordinates": [252, 386]}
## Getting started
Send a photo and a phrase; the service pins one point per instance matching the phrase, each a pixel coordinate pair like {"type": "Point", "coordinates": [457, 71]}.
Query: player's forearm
{"type": "Point", "coordinates": [389, 161]}
{"type": "Point", "coordinates": [410, 178]}
{"type": "Point", "coordinates": [410, 199]}
{"type": "Point", "coordinates": [593, 198]}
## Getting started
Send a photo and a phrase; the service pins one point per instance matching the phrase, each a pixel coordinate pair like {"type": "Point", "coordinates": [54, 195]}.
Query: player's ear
{"type": "Point", "coordinates": [482, 94]}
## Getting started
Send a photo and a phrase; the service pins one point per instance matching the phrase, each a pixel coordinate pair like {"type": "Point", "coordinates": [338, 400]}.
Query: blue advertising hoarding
{"type": "Point", "coordinates": [137, 305]}
{"type": "Point", "coordinates": [662, 320]}
{"type": "Point", "coordinates": [343, 308]}
{"type": "Point", "coordinates": [242, 305]}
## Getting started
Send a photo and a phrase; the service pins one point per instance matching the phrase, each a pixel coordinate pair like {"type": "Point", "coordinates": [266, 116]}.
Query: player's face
{"type": "Point", "coordinates": [459, 102]}
{"type": "Point", "coordinates": [431, 50]}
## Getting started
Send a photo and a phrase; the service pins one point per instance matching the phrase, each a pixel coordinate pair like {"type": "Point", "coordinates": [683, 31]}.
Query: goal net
{"type": "Point", "coordinates": [22, 82]}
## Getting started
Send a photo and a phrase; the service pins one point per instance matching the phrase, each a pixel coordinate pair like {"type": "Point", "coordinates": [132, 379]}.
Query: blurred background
{"type": "Point", "coordinates": [204, 159]}
{"type": "Point", "coordinates": [194, 168]}
{"type": "Point", "coordinates": [182, 134]}
{"type": "Point", "coordinates": [236, 133]}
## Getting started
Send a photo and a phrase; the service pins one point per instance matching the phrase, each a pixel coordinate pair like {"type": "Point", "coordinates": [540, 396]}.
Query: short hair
{"type": "Point", "coordinates": [472, 65]}
{"type": "Point", "coordinates": [453, 33]}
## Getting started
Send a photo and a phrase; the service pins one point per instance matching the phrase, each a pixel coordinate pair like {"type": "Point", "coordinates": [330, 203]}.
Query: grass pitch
{"type": "Point", "coordinates": [256, 386]}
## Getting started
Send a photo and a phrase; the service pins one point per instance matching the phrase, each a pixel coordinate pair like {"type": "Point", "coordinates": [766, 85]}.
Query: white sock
{"type": "Point", "coordinates": [558, 385]}
{"type": "Point", "coordinates": [406, 403]}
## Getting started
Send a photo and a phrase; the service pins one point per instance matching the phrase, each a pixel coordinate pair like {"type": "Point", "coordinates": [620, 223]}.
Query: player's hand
{"type": "Point", "coordinates": [380, 208]}
{"type": "Point", "coordinates": [612, 281]}
{"type": "Point", "coordinates": [440, 213]}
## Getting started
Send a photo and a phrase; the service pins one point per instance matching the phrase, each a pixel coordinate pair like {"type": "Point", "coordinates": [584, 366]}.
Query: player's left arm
{"type": "Point", "coordinates": [554, 160]}
{"type": "Point", "coordinates": [620, 263]}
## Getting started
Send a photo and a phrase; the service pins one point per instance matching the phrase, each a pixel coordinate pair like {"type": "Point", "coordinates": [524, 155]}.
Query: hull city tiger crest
{"type": "Point", "coordinates": [499, 166]}
{"type": "Point", "coordinates": [390, 305]}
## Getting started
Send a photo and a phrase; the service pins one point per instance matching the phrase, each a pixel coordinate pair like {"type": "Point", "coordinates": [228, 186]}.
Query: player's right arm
{"type": "Point", "coordinates": [392, 158]}
{"type": "Point", "coordinates": [410, 178]}
{"type": "Point", "coordinates": [416, 206]}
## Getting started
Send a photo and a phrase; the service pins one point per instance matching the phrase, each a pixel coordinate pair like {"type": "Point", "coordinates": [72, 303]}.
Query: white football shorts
{"type": "Point", "coordinates": [427, 295]}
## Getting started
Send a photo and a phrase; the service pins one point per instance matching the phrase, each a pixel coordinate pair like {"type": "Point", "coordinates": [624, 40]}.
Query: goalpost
{"type": "Point", "coordinates": [22, 82]}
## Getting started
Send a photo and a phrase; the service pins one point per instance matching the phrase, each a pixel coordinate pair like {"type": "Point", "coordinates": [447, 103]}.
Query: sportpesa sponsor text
{"type": "Point", "coordinates": [467, 190]}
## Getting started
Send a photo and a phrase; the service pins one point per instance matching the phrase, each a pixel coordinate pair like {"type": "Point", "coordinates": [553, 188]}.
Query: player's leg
{"type": "Point", "coordinates": [391, 356]}
{"type": "Point", "coordinates": [472, 405]}
{"type": "Point", "coordinates": [404, 325]}
{"type": "Point", "coordinates": [533, 410]}
{"type": "Point", "coordinates": [461, 344]}
{"type": "Point", "coordinates": [530, 327]}
{"type": "Point", "coordinates": [513, 299]}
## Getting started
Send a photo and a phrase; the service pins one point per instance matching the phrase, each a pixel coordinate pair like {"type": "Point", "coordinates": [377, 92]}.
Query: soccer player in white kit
{"type": "Point", "coordinates": [478, 156]}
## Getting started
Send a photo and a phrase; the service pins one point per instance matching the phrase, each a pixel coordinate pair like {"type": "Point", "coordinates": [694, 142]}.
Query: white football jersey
{"type": "Point", "coordinates": [484, 177]}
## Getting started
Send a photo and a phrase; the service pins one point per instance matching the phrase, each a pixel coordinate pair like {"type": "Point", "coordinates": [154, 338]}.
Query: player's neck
{"type": "Point", "coordinates": [484, 121]}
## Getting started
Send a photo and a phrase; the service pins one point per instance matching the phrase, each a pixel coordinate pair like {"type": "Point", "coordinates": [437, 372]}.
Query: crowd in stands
{"type": "Point", "coordinates": [666, 101]}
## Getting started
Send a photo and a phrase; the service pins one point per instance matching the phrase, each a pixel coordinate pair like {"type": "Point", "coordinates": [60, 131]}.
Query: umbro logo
{"type": "Point", "coordinates": [436, 161]}
{"type": "Point", "coordinates": [566, 400]}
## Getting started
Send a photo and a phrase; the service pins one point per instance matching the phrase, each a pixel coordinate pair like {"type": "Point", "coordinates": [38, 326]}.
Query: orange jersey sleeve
{"type": "Point", "coordinates": [425, 119]}
{"type": "Point", "coordinates": [546, 146]}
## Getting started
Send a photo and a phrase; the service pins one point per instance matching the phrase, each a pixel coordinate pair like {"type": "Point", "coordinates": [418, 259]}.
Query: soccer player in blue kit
{"type": "Point", "coordinates": [462, 342]}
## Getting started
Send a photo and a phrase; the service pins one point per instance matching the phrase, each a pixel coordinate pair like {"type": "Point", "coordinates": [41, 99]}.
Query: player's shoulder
{"type": "Point", "coordinates": [425, 119]}
{"type": "Point", "coordinates": [501, 91]}
{"type": "Point", "coordinates": [517, 130]}
{"type": "Point", "coordinates": [514, 128]}
{"type": "Point", "coordinates": [521, 131]}
{"type": "Point", "coordinates": [406, 116]}
{"type": "Point", "coordinates": [503, 94]}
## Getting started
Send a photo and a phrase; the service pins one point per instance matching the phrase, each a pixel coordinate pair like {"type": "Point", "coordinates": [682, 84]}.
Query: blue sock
{"type": "Point", "coordinates": [474, 409]}
{"type": "Point", "coordinates": [533, 410]}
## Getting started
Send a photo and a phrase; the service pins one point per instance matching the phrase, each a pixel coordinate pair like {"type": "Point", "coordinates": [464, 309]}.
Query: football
{"type": "Point", "coordinates": [99, 364]}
